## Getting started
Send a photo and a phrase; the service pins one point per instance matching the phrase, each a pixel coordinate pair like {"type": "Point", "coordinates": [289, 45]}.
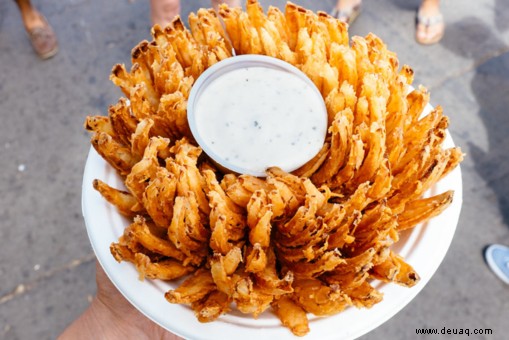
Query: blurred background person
{"type": "Point", "coordinates": [39, 31]}
{"type": "Point", "coordinates": [162, 12]}
{"type": "Point", "coordinates": [429, 27]}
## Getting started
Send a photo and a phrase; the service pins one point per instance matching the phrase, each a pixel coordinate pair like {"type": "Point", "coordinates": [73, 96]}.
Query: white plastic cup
{"type": "Point", "coordinates": [288, 161]}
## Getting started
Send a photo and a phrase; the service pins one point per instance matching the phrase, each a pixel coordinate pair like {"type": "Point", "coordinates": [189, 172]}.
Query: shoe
{"type": "Point", "coordinates": [429, 29]}
{"type": "Point", "coordinates": [43, 39]}
{"type": "Point", "coordinates": [347, 15]}
{"type": "Point", "coordinates": [497, 257]}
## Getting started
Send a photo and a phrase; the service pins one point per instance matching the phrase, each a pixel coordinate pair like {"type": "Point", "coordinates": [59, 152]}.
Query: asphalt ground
{"type": "Point", "coordinates": [46, 261]}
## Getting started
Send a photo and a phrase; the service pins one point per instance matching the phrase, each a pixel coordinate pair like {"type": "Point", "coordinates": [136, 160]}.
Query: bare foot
{"type": "Point", "coordinates": [230, 3]}
{"type": "Point", "coordinates": [347, 10]}
{"type": "Point", "coordinates": [162, 12]}
{"type": "Point", "coordinates": [347, 4]}
{"type": "Point", "coordinates": [430, 25]}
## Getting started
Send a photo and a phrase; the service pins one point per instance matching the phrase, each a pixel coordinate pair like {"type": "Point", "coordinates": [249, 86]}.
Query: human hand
{"type": "Point", "coordinates": [111, 316]}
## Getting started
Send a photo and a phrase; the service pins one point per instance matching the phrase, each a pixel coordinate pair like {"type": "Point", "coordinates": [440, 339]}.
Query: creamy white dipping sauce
{"type": "Point", "coordinates": [255, 117]}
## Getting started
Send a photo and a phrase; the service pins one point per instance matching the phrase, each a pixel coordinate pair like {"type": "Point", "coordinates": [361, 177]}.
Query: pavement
{"type": "Point", "coordinates": [46, 261]}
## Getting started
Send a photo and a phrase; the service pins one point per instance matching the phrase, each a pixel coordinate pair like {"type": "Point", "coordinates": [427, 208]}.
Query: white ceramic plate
{"type": "Point", "coordinates": [424, 247]}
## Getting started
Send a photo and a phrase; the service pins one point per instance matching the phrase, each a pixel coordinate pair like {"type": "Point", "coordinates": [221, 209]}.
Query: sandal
{"type": "Point", "coordinates": [497, 257]}
{"type": "Point", "coordinates": [43, 39]}
{"type": "Point", "coordinates": [347, 15]}
{"type": "Point", "coordinates": [429, 29]}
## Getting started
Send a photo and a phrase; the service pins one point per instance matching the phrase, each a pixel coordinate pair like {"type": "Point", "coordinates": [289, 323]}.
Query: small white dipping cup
{"type": "Point", "coordinates": [286, 136]}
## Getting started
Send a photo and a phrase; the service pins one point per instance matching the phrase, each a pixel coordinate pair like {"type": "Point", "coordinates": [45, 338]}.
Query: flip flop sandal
{"type": "Point", "coordinates": [347, 15]}
{"type": "Point", "coordinates": [497, 257]}
{"type": "Point", "coordinates": [44, 40]}
{"type": "Point", "coordinates": [424, 23]}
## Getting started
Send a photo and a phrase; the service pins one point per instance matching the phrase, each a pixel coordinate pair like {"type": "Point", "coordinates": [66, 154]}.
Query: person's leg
{"type": "Point", "coordinates": [346, 10]}
{"type": "Point", "coordinates": [430, 22]}
{"type": "Point", "coordinates": [430, 6]}
{"type": "Point", "coordinates": [30, 16]}
{"type": "Point", "coordinates": [230, 3]}
{"type": "Point", "coordinates": [162, 12]}
{"type": "Point", "coordinates": [42, 36]}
